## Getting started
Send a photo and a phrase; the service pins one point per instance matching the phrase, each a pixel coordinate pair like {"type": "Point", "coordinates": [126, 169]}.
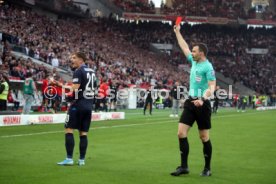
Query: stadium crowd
{"type": "Point", "coordinates": [135, 6]}
{"type": "Point", "coordinates": [209, 8]}
{"type": "Point", "coordinates": [19, 68]}
{"type": "Point", "coordinates": [52, 41]}
{"type": "Point", "coordinates": [227, 49]}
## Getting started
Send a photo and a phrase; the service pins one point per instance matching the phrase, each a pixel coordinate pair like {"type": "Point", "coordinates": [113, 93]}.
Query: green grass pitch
{"type": "Point", "coordinates": [143, 150]}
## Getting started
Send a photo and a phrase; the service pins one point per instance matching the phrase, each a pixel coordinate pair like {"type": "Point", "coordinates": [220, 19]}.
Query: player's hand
{"type": "Point", "coordinates": [56, 83]}
{"type": "Point", "coordinates": [176, 28]}
{"type": "Point", "coordinates": [198, 103]}
{"type": "Point", "coordinates": [52, 82]}
{"type": "Point", "coordinates": [59, 83]}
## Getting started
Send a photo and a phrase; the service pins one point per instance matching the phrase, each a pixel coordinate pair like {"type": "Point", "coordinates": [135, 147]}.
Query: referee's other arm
{"type": "Point", "coordinates": [208, 93]}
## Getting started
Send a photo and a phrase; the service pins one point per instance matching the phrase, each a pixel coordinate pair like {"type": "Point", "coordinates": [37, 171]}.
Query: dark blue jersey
{"type": "Point", "coordinates": [86, 78]}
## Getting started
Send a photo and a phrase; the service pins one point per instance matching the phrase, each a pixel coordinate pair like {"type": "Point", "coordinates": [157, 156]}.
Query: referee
{"type": "Point", "coordinates": [197, 107]}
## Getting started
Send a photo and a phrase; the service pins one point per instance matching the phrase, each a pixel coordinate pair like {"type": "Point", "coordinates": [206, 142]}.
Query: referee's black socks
{"type": "Point", "coordinates": [69, 144]}
{"type": "Point", "coordinates": [184, 151]}
{"type": "Point", "coordinates": [207, 151]}
{"type": "Point", "coordinates": [83, 146]}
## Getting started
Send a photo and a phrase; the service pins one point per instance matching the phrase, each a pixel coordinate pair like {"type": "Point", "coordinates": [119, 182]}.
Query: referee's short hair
{"type": "Point", "coordinates": [80, 55]}
{"type": "Point", "coordinates": [202, 47]}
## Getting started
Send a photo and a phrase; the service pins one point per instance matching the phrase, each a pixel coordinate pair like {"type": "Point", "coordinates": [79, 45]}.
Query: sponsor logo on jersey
{"type": "Point", "coordinates": [198, 78]}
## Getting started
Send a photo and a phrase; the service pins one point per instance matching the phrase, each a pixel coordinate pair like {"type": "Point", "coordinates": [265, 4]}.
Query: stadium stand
{"type": "Point", "coordinates": [206, 8]}
{"type": "Point", "coordinates": [55, 39]}
{"type": "Point", "coordinates": [210, 8]}
{"type": "Point", "coordinates": [52, 40]}
{"type": "Point", "coordinates": [135, 6]}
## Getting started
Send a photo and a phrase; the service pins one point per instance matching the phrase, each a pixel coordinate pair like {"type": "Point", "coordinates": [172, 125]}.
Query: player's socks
{"type": "Point", "coordinates": [207, 151]}
{"type": "Point", "coordinates": [83, 146]}
{"type": "Point", "coordinates": [184, 151]}
{"type": "Point", "coordinates": [69, 144]}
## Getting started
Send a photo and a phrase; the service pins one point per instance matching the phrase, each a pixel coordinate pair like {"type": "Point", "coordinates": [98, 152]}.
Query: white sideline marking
{"type": "Point", "coordinates": [127, 125]}
{"type": "Point", "coordinates": [94, 128]}
{"type": "Point", "coordinates": [40, 133]}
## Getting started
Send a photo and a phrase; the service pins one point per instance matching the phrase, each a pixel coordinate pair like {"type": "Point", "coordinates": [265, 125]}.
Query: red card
{"type": "Point", "coordinates": [178, 21]}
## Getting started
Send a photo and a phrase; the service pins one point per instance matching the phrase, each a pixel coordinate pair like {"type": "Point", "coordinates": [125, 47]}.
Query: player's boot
{"type": "Point", "coordinates": [67, 161]}
{"type": "Point", "coordinates": [81, 162]}
{"type": "Point", "coordinates": [180, 170]}
{"type": "Point", "coordinates": [206, 172]}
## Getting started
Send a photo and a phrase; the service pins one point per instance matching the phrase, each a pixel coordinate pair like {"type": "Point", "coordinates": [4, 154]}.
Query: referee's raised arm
{"type": "Point", "coordinates": [182, 43]}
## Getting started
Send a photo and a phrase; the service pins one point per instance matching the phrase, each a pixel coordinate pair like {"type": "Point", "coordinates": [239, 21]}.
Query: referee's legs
{"type": "Point", "coordinates": [183, 143]}
{"type": "Point", "coordinates": [184, 149]}
{"type": "Point", "coordinates": [207, 148]}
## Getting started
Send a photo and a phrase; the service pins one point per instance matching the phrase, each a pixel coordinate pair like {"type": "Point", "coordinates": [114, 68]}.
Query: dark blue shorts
{"type": "Point", "coordinates": [78, 117]}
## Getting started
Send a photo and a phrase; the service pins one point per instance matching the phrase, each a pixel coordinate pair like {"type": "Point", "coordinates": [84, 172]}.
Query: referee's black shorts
{"type": "Point", "coordinates": [202, 115]}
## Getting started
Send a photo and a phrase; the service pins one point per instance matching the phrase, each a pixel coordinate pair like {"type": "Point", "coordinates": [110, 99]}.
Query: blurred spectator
{"type": "Point", "coordinates": [55, 62]}
{"type": "Point", "coordinates": [29, 91]}
{"type": "Point", "coordinates": [4, 91]}
{"type": "Point", "coordinates": [143, 6]}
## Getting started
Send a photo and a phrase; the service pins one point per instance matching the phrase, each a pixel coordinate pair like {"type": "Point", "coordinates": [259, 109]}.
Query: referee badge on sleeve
{"type": "Point", "coordinates": [213, 73]}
